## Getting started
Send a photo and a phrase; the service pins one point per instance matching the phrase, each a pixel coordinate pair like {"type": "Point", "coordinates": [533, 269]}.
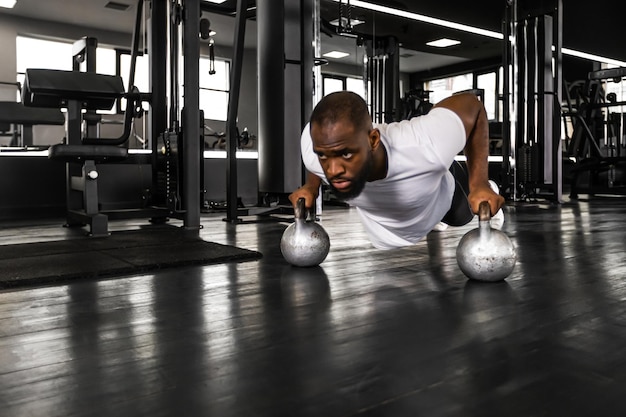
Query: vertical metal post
{"type": "Point", "coordinates": [507, 181]}
{"type": "Point", "coordinates": [271, 62]}
{"type": "Point", "coordinates": [282, 90]}
{"type": "Point", "coordinates": [520, 101]}
{"type": "Point", "coordinates": [191, 115]}
{"type": "Point", "coordinates": [286, 52]}
{"type": "Point", "coordinates": [91, 46]}
{"type": "Point", "coordinates": [378, 71]}
{"type": "Point", "coordinates": [392, 80]}
{"type": "Point", "coordinates": [557, 167]}
{"type": "Point", "coordinates": [83, 50]}
{"type": "Point", "coordinates": [317, 53]}
{"type": "Point", "coordinates": [307, 54]}
{"type": "Point", "coordinates": [531, 82]}
{"type": "Point", "coordinates": [545, 99]}
{"type": "Point", "coordinates": [157, 42]}
{"type": "Point", "coordinates": [232, 137]}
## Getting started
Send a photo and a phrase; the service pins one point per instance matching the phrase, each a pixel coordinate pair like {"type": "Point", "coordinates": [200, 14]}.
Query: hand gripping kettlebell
{"type": "Point", "coordinates": [304, 242]}
{"type": "Point", "coordinates": [486, 254]}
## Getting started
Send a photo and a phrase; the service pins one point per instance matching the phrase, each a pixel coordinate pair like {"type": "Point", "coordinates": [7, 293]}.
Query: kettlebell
{"type": "Point", "coordinates": [304, 242]}
{"type": "Point", "coordinates": [486, 254]}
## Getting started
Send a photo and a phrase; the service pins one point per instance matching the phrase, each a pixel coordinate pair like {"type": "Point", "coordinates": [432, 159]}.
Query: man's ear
{"type": "Point", "coordinates": [374, 138]}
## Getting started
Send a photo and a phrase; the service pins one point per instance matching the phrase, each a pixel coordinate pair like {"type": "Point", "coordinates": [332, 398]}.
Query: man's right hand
{"type": "Point", "coordinates": [307, 192]}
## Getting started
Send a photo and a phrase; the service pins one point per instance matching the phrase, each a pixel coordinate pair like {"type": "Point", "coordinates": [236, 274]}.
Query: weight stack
{"type": "Point", "coordinates": [528, 165]}
{"type": "Point", "coordinates": [168, 177]}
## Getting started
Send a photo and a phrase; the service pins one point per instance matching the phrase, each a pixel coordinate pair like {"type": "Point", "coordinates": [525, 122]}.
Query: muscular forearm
{"type": "Point", "coordinates": [472, 114]}
{"type": "Point", "coordinates": [477, 150]}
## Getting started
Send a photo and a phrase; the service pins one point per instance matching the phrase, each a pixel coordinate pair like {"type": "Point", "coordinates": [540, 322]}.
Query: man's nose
{"type": "Point", "coordinates": [335, 167]}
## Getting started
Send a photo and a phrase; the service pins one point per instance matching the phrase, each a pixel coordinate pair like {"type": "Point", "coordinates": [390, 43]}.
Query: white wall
{"type": "Point", "coordinates": [7, 66]}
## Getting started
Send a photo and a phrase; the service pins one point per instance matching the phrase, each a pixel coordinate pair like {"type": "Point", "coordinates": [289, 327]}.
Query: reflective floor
{"type": "Point", "coordinates": [367, 333]}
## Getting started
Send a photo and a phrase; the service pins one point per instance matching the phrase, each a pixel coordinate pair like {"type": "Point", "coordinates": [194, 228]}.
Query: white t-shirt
{"type": "Point", "coordinates": [402, 208]}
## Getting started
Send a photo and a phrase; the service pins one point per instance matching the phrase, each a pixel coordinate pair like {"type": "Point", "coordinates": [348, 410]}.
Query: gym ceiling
{"type": "Point", "coordinates": [595, 30]}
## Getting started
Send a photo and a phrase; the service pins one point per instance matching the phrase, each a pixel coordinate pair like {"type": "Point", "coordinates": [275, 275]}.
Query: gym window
{"type": "Point", "coordinates": [214, 88]}
{"type": "Point", "coordinates": [333, 83]}
{"type": "Point", "coordinates": [39, 53]}
{"type": "Point", "coordinates": [489, 82]}
{"type": "Point", "coordinates": [444, 87]}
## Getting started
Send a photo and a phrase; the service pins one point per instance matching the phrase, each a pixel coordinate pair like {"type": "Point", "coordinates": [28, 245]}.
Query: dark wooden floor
{"type": "Point", "coordinates": [368, 333]}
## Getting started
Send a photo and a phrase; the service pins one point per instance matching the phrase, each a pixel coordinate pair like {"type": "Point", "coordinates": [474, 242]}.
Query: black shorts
{"type": "Point", "coordinates": [460, 212]}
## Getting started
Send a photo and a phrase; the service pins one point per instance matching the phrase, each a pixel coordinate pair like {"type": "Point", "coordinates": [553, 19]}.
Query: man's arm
{"type": "Point", "coordinates": [309, 191]}
{"type": "Point", "coordinates": [474, 118]}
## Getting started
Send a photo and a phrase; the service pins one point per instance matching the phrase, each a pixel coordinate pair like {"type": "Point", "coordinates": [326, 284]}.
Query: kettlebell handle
{"type": "Point", "coordinates": [301, 212]}
{"type": "Point", "coordinates": [484, 211]}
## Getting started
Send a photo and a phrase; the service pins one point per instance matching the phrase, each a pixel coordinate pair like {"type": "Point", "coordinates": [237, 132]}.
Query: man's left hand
{"type": "Point", "coordinates": [484, 192]}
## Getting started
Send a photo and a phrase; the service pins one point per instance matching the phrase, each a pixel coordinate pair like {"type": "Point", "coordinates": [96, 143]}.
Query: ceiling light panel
{"type": "Point", "coordinates": [426, 19]}
{"type": "Point", "coordinates": [336, 54]}
{"type": "Point", "coordinates": [443, 43]}
{"type": "Point", "coordinates": [9, 4]}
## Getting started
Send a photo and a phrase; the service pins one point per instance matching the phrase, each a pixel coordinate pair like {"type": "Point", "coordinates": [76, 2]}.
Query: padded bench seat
{"type": "Point", "coordinates": [16, 113]}
{"type": "Point", "coordinates": [77, 153]}
{"type": "Point", "coordinates": [54, 88]}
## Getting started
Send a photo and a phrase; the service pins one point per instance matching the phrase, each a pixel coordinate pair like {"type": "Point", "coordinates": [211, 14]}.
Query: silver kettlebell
{"type": "Point", "coordinates": [304, 242]}
{"type": "Point", "coordinates": [486, 254]}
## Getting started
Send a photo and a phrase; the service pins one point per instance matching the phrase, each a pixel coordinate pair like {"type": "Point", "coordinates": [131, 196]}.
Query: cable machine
{"type": "Point", "coordinates": [532, 72]}
{"type": "Point", "coordinates": [381, 68]}
{"type": "Point", "coordinates": [176, 153]}
{"type": "Point", "coordinates": [382, 78]}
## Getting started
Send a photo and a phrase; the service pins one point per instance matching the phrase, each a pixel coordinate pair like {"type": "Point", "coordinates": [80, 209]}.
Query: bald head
{"type": "Point", "coordinates": [342, 106]}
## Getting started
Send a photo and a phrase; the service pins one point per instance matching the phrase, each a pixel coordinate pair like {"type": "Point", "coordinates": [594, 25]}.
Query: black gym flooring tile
{"type": "Point", "coordinates": [122, 252]}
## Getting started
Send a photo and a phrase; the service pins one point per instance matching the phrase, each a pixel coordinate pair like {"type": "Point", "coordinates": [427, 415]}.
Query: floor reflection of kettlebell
{"type": "Point", "coordinates": [304, 242]}
{"type": "Point", "coordinates": [486, 254]}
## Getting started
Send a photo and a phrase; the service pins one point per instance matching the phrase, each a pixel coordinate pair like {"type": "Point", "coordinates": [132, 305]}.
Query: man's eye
{"type": "Point", "coordinates": [321, 156]}
{"type": "Point", "coordinates": [347, 155]}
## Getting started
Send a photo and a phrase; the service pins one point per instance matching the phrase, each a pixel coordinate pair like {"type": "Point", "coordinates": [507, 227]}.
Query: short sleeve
{"type": "Point", "coordinates": [446, 132]}
{"type": "Point", "coordinates": [309, 158]}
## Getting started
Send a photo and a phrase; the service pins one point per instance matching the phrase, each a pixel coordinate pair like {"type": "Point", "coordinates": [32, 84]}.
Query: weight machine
{"type": "Point", "coordinates": [285, 85]}
{"type": "Point", "coordinates": [382, 77]}
{"type": "Point", "coordinates": [381, 70]}
{"type": "Point", "coordinates": [416, 102]}
{"type": "Point", "coordinates": [176, 156]}
{"type": "Point", "coordinates": [532, 96]}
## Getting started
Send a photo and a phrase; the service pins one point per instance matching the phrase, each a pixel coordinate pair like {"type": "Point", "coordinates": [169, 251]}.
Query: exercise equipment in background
{"type": "Point", "coordinates": [596, 146]}
{"type": "Point", "coordinates": [176, 157]}
{"type": "Point", "coordinates": [17, 121]}
{"type": "Point", "coordinates": [533, 32]}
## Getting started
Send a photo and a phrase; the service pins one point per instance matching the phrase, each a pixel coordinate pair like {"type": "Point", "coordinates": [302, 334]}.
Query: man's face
{"type": "Point", "coordinates": [345, 155]}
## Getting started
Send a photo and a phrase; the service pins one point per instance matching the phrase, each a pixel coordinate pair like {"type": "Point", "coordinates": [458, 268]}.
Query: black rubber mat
{"type": "Point", "coordinates": [123, 252]}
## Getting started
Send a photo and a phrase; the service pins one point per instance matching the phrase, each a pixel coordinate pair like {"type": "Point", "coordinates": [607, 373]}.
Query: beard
{"type": "Point", "coordinates": [358, 182]}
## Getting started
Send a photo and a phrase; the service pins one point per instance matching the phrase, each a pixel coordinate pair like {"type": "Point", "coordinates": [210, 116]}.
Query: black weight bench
{"type": "Point", "coordinates": [14, 113]}
{"type": "Point", "coordinates": [78, 91]}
